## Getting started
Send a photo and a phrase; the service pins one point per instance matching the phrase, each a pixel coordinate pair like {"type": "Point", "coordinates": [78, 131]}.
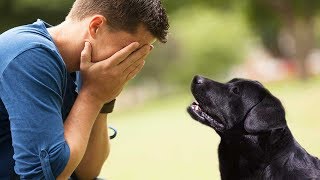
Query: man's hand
{"type": "Point", "coordinates": [104, 80]}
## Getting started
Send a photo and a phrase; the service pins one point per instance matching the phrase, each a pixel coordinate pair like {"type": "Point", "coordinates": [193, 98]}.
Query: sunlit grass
{"type": "Point", "coordinates": [158, 140]}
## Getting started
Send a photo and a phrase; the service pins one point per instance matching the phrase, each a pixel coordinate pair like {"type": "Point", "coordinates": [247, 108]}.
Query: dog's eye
{"type": "Point", "coordinates": [235, 90]}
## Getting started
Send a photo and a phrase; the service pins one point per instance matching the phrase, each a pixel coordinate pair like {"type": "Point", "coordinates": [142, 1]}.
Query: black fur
{"type": "Point", "coordinates": [256, 142]}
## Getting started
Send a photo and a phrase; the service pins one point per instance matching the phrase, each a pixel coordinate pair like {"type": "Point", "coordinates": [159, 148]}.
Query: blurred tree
{"type": "Point", "coordinates": [208, 42]}
{"type": "Point", "coordinates": [19, 12]}
{"type": "Point", "coordinates": [286, 27]}
{"type": "Point", "coordinates": [176, 5]}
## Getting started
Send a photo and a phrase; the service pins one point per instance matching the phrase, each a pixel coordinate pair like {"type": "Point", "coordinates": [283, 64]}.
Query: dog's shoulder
{"type": "Point", "coordinates": [296, 164]}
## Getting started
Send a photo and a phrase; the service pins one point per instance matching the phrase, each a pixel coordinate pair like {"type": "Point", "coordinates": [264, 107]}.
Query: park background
{"type": "Point", "coordinates": [274, 42]}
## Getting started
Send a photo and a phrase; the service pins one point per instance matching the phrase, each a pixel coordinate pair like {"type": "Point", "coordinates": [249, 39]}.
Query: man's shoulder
{"type": "Point", "coordinates": [22, 39]}
{"type": "Point", "coordinates": [26, 35]}
{"type": "Point", "coordinates": [19, 39]}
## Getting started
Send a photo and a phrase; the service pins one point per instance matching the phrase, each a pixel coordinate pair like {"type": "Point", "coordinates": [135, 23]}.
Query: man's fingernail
{"type": "Point", "coordinates": [136, 44]}
{"type": "Point", "coordinates": [151, 47]}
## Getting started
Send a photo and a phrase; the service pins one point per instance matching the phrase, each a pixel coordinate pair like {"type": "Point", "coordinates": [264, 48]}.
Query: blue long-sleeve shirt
{"type": "Point", "coordinates": [36, 95]}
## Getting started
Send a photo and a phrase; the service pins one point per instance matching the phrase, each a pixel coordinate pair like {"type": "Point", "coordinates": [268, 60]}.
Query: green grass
{"type": "Point", "coordinates": [158, 140]}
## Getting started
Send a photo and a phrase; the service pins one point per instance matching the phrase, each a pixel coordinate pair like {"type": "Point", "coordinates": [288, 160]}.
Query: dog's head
{"type": "Point", "coordinates": [237, 104]}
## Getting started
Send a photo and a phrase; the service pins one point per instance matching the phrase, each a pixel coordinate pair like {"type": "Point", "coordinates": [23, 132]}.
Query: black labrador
{"type": "Point", "coordinates": [256, 142]}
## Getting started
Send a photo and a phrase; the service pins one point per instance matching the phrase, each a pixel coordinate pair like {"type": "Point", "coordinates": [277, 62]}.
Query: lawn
{"type": "Point", "coordinates": [158, 140]}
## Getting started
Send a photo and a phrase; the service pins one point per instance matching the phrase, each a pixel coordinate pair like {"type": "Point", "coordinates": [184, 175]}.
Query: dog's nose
{"type": "Point", "coordinates": [198, 79]}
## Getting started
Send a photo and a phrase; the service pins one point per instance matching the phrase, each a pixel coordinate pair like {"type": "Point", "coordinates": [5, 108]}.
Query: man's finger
{"type": "Point", "coordinates": [86, 53]}
{"type": "Point", "coordinates": [121, 55]}
{"type": "Point", "coordinates": [134, 65]}
{"type": "Point", "coordinates": [132, 58]}
{"type": "Point", "coordinates": [133, 73]}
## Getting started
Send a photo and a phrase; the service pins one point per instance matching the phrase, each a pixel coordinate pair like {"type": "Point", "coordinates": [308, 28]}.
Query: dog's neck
{"type": "Point", "coordinates": [268, 144]}
{"type": "Point", "coordinates": [247, 153]}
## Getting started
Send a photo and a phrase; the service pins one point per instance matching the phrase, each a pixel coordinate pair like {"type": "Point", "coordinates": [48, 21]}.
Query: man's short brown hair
{"type": "Point", "coordinates": [126, 15]}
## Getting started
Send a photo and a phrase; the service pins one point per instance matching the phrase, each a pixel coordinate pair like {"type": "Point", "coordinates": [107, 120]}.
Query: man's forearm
{"type": "Point", "coordinates": [77, 129]}
{"type": "Point", "coordinates": [97, 150]}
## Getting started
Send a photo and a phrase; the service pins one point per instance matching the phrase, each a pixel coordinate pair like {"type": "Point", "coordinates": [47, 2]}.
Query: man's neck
{"type": "Point", "coordinates": [69, 38]}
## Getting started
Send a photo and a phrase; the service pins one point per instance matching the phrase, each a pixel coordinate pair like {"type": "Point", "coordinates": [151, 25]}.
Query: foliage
{"type": "Point", "coordinates": [225, 5]}
{"type": "Point", "coordinates": [18, 12]}
{"type": "Point", "coordinates": [266, 24]}
{"type": "Point", "coordinates": [268, 18]}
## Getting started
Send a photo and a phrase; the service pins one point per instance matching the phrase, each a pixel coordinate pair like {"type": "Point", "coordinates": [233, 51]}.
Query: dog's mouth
{"type": "Point", "coordinates": [212, 120]}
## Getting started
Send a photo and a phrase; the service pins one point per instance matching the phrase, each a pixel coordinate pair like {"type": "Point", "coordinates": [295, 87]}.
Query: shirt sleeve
{"type": "Point", "coordinates": [32, 88]}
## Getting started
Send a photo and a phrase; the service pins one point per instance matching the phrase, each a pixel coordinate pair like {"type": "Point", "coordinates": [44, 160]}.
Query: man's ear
{"type": "Point", "coordinates": [96, 23]}
{"type": "Point", "coordinates": [269, 114]}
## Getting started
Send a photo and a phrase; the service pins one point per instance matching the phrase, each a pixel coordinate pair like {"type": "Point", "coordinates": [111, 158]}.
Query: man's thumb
{"type": "Point", "coordinates": [86, 53]}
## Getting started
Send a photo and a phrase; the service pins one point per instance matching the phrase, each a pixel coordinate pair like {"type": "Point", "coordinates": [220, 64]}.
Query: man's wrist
{"type": "Point", "coordinates": [108, 107]}
{"type": "Point", "coordinates": [89, 99]}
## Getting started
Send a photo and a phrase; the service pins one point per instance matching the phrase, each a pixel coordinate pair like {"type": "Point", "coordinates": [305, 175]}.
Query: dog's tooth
{"type": "Point", "coordinates": [197, 108]}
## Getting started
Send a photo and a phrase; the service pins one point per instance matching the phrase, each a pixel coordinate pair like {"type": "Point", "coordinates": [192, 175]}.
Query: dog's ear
{"type": "Point", "coordinates": [269, 114]}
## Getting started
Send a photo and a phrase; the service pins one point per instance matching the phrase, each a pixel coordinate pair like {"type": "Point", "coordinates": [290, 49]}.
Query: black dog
{"type": "Point", "coordinates": [256, 142]}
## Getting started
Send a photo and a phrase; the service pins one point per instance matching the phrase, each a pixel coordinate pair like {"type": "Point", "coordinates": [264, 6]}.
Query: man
{"type": "Point", "coordinates": [47, 130]}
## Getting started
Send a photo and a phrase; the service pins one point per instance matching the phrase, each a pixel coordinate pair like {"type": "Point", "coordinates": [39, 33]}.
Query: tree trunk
{"type": "Point", "coordinates": [296, 42]}
{"type": "Point", "coordinates": [297, 37]}
{"type": "Point", "coordinates": [304, 36]}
